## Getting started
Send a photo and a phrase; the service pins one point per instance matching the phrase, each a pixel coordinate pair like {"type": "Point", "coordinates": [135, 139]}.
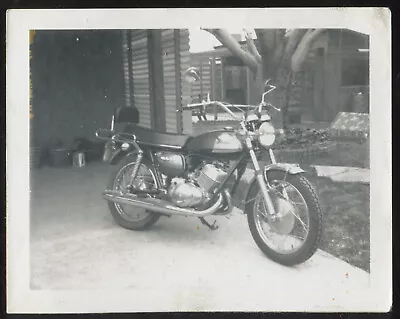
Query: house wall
{"type": "Point", "coordinates": [77, 81]}
{"type": "Point", "coordinates": [159, 58]}
{"type": "Point", "coordinates": [200, 89]}
{"type": "Point", "coordinates": [139, 75]}
{"type": "Point", "coordinates": [340, 86]}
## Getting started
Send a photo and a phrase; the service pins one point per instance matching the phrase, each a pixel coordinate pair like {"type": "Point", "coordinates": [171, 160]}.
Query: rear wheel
{"type": "Point", "coordinates": [129, 216]}
{"type": "Point", "coordinates": [293, 235]}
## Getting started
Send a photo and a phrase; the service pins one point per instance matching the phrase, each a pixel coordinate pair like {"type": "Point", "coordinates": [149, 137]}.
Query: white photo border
{"type": "Point", "coordinates": [375, 22]}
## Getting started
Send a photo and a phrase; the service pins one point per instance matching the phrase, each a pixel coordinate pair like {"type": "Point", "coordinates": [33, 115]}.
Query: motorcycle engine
{"type": "Point", "coordinates": [197, 190]}
{"type": "Point", "coordinates": [184, 193]}
{"type": "Point", "coordinates": [210, 176]}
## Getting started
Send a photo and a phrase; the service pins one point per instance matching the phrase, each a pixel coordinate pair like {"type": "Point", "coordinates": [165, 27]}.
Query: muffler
{"type": "Point", "coordinates": [159, 205]}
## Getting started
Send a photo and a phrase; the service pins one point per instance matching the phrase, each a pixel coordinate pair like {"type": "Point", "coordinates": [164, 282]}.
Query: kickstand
{"type": "Point", "coordinates": [211, 226]}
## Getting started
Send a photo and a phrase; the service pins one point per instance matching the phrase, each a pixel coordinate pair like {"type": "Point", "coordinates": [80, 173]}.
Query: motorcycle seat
{"type": "Point", "coordinates": [150, 137]}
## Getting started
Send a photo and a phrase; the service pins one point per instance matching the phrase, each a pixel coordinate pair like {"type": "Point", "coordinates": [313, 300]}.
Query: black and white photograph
{"type": "Point", "coordinates": [165, 160]}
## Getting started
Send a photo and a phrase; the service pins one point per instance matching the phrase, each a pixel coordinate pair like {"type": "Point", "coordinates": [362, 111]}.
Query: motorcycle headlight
{"type": "Point", "coordinates": [266, 134]}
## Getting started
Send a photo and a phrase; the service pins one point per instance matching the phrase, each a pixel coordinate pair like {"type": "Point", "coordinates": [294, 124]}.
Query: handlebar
{"type": "Point", "coordinates": [257, 108]}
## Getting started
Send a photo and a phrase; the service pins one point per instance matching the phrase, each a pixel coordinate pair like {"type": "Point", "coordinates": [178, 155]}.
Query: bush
{"type": "Point", "coordinates": [302, 138]}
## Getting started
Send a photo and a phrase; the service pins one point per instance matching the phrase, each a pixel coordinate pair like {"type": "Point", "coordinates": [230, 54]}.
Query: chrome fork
{"type": "Point", "coordinates": [260, 177]}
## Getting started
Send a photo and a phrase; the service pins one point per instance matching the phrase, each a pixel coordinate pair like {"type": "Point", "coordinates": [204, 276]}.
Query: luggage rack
{"type": "Point", "coordinates": [106, 134]}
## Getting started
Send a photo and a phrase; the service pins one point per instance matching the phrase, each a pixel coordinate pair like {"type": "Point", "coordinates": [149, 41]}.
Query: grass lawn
{"type": "Point", "coordinates": [346, 232]}
{"type": "Point", "coordinates": [350, 154]}
{"type": "Point", "coordinates": [345, 205]}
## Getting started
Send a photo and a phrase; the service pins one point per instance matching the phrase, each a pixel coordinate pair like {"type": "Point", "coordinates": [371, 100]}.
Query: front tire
{"type": "Point", "coordinates": [290, 223]}
{"type": "Point", "coordinates": [141, 219]}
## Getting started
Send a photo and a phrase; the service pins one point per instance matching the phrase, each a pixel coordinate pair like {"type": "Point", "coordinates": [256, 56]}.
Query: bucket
{"type": "Point", "coordinates": [78, 159]}
{"type": "Point", "coordinates": [60, 157]}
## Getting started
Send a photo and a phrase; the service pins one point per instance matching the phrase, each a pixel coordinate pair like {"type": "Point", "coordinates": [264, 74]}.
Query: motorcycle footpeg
{"type": "Point", "coordinates": [212, 226]}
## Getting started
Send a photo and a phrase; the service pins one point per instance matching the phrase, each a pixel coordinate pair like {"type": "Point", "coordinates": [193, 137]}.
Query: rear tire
{"type": "Point", "coordinates": [313, 237]}
{"type": "Point", "coordinates": [117, 211]}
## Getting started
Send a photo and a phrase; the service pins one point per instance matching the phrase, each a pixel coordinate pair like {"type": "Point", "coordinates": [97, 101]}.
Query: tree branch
{"type": "Point", "coordinates": [266, 39]}
{"type": "Point", "coordinates": [252, 47]}
{"type": "Point", "coordinates": [227, 40]}
{"type": "Point", "coordinates": [279, 37]}
{"type": "Point", "coordinates": [293, 39]}
{"type": "Point", "coordinates": [301, 52]}
{"type": "Point", "coordinates": [277, 54]}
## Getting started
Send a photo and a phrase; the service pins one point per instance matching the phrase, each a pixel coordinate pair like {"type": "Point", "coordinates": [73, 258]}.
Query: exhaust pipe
{"type": "Point", "coordinates": [159, 205]}
{"type": "Point", "coordinates": [228, 203]}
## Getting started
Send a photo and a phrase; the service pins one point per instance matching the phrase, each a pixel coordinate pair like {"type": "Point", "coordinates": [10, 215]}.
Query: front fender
{"type": "Point", "coordinates": [289, 168]}
{"type": "Point", "coordinates": [284, 167]}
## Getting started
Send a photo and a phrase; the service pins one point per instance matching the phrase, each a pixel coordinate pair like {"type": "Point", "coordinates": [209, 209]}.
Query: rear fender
{"type": "Point", "coordinates": [113, 153]}
{"type": "Point", "coordinates": [119, 155]}
{"type": "Point", "coordinates": [291, 169]}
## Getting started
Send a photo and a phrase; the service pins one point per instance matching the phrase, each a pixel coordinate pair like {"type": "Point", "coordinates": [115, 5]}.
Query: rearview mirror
{"type": "Point", "coordinates": [267, 83]}
{"type": "Point", "coordinates": [191, 75]}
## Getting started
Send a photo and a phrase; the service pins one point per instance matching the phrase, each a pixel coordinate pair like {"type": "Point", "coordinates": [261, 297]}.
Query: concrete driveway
{"type": "Point", "coordinates": [76, 245]}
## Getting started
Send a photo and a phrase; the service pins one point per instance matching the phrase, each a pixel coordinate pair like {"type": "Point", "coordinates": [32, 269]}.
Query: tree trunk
{"type": "Point", "coordinates": [282, 54]}
{"type": "Point", "coordinates": [281, 76]}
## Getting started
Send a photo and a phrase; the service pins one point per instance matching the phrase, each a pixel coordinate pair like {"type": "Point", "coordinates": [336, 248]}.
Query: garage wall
{"type": "Point", "coordinates": [77, 81]}
{"type": "Point", "coordinates": [80, 76]}
{"type": "Point", "coordinates": [169, 50]}
{"type": "Point", "coordinates": [175, 58]}
{"type": "Point", "coordinates": [140, 75]}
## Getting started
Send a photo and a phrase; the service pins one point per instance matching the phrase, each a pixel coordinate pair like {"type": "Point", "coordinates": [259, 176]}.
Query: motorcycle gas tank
{"type": "Point", "coordinates": [217, 142]}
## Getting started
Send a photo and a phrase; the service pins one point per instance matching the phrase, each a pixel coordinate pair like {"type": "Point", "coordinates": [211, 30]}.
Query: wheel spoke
{"type": "Point", "coordinates": [294, 239]}
{"type": "Point", "coordinates": [295, 204]}
{"type": "Point", "coordinates": [122, 182]}
{"type": "Point", "coordinates": [300, 220]}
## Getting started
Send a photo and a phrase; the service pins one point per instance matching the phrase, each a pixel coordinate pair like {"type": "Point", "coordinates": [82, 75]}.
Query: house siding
{"type": "Point", "coordinates": [140, 75]}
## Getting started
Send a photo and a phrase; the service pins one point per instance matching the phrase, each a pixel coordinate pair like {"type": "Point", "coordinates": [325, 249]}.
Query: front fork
{"type": "Point", "coordinates": [260, 176]}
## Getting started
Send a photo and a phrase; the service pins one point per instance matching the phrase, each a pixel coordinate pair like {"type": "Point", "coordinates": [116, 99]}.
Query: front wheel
{"type": "Point", "coordinates": [291, 236]}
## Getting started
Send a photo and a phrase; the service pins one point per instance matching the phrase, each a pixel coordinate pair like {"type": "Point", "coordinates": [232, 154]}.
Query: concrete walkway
{"type": "Point", "coordinates": [344, 174]}
{"type": "Point", "coordinates": [177, 265]}
{"type": "Point", "coordinates": [335, 173]}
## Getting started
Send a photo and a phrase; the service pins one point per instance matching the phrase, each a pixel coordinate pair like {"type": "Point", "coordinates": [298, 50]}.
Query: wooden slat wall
{"type": "Point", "coordinates": [125, 53]}
{"type": "Point", "coordinates": [168, 57]}
{"type": "Point", "coordinates": [175, 62]}
{"type": "Point", "coordinates": [140, 74]}
{"type": "Point", "coordinates": [202, 88]}
{"type": "Point", "coordinates": [218, 82]}
{"type": "Point", "coordinates": [184, 57]}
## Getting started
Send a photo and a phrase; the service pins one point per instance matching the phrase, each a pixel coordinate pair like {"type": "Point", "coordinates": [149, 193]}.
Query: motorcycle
{"type": "Point", "coordinates": [163, 174]}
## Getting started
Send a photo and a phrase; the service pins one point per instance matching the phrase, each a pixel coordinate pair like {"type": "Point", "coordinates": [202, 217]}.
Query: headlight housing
{"type": "Point", "coordinates": [266, 134]}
